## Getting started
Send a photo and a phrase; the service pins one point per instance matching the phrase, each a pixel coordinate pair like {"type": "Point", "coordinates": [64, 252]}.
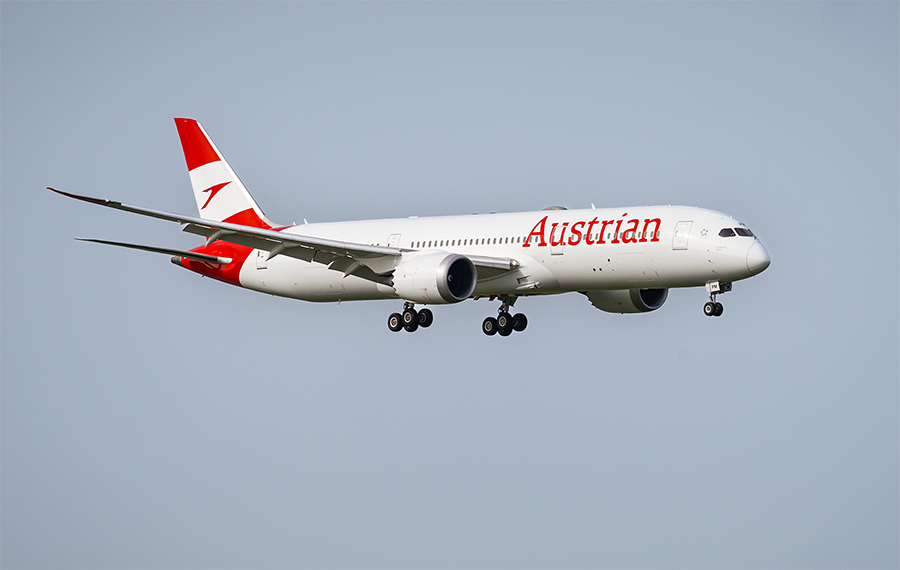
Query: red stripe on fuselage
{"type": "Point", "coordinates": [197, 150]}
{"type": "Point", "coordinates": [230, 273]}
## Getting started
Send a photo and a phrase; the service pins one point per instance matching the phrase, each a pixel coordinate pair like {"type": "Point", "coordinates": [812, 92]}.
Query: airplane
{"type": "Point", "coordinates": [624, 260]}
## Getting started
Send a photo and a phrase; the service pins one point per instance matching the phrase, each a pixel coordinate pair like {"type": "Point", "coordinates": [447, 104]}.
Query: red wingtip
{"type": "Point", "coordinates": [197, 149]}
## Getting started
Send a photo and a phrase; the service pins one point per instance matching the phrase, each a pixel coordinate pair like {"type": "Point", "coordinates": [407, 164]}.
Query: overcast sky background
{"type": "Point", "coordinates": [155, 419]}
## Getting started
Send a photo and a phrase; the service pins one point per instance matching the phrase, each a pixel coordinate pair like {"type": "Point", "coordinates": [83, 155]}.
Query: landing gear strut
{"type": "Point", "coordinates": [410, 319]}
{"type": "Point", "coordinates": [505, 323]}
{"type": "Point", "coordinates": [713, 308]}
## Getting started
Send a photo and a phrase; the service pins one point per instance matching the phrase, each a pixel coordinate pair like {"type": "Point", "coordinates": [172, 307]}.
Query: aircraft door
{"type": "Point", "coordinates": [682, 231]}
{"type": "Point", "coordinates": [556, 248]}
{"type": "Point", "coordinates": [393, 240]}
{"type": "Point", "coordinates": [262, 257]}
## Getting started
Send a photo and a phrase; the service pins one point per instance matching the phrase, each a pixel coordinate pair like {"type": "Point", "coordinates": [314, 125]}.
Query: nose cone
{"type": "Point", "coordinates": [757, 258]}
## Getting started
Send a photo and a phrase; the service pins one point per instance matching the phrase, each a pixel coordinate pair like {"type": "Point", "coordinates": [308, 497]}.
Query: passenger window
{"type": "Point", "coordinates": [743, 232]}
{"type": "Point", "coordinates": [726, 232]}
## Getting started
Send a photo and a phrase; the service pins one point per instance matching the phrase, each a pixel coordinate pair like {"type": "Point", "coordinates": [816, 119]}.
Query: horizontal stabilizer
{"type": "Point", "coordinates": [165, 251]}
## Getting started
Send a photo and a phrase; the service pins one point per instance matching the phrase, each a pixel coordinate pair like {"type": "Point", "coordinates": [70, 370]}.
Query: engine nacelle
{"type": "Point", "coordinates": [435, 278]}
{"type": "Point", "coordinates": [628, 300]}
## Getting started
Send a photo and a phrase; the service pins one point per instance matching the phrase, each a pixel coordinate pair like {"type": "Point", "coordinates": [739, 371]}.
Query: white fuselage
{"type": "Point", "coordinates": [626, 248]}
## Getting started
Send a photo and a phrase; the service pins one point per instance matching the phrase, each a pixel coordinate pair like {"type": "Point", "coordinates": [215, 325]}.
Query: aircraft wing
{"type": "Point", "coordinates": [367, 261]}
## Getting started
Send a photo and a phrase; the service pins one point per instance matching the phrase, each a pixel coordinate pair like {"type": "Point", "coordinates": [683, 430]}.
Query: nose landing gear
{"type": "Point", "coordinates": [505, 323]}
{"type": "Point", "coordinates": [410, 319]}
{"type": "Point", "coordinates": [713, 308]}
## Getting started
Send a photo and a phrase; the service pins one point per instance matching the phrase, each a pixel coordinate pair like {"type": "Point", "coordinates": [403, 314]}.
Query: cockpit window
{"type": "Point", "coordinates": [743, 232]}
{"type": "Point", "coordinates": [726, 232]}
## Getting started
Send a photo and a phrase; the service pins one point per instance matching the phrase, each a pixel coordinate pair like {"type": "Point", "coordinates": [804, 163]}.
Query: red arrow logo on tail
{"type": "Point", "coordinates": [212, 192]}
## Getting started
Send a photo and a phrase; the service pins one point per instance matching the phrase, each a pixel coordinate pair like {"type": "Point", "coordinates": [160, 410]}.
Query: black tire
{"type": "Point", "coordinates": [709, 309]}
{"type": "Point", "coordinates": [719, 309]}
{"type": "Point", "coordinates": [489, 326]}
{"type": "Point", "coordinates": [410, 316]}
{"type": "Point", "coordinates": [425, 318]}
{"type": "Point", "coordinates": [411, 327]}
{"type": "Point", "coordinates": [520, 321]}
{"type": "Point", "coordinates": [504, 324]}
{"type": "Point", "coordinates": [395, 323]}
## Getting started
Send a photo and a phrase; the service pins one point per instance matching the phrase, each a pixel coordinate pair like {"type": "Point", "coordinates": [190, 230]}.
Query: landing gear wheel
{"type": "Point", "coordinates": [719, 309]}
{"type": "Point", "coordinates": [520, 321]}
{"type": "Point", "coordinates": [425, 318]}
{"type": "Point", "coordinates": [709, 309]}
{"type": "Point", "coordinates": [395, 322]}
{"type": "Point", "coordinates": [410, 320]}
{"type": "Point", "coordinates": [489, 326]}
{"type": "Point", "coordinates": [504, 324]}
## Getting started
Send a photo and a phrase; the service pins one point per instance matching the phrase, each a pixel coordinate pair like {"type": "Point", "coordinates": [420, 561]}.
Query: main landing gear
{"type": "Point", "coordinates": [713, 308]}
{"type": "Point", "coordinates": [410, 319]}
{"type": "Point", "coordinates": [505, 323]}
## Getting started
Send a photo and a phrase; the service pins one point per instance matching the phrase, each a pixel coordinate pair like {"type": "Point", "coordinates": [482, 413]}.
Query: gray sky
{"type": "Point", "coordinates": [151, 418]}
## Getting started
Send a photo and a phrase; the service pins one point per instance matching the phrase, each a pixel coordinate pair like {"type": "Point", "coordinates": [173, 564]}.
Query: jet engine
{"type": "Point", "coordinates": [628, 300]}
{"type": "Point", "coordinates": [435, 278]}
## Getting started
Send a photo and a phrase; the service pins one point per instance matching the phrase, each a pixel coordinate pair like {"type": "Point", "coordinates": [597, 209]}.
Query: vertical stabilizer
{"type": "Point", "coordinates": [220, 194]}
